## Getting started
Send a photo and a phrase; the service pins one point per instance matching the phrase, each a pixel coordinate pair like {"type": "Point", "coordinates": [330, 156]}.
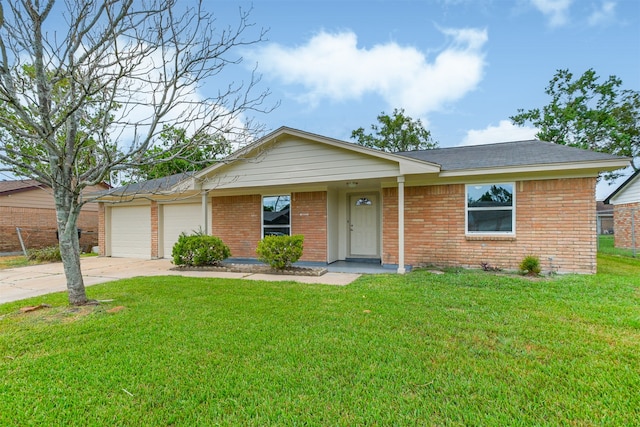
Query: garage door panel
{"type": "Point", "coordinates": [177, 219]}
{"type": "Point", "coordinates": [131, 231]}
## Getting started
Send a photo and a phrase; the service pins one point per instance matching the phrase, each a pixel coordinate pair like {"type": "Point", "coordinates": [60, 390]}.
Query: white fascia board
{"type": "Point", "coordinates": [586, 169]}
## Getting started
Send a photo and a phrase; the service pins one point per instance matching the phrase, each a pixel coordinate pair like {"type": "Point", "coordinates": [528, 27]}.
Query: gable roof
{"type": "Point", "coordinates": [152, 186]}
{"type": "Point", "coordinates": [508, 154]}
{"type": "Point", "coordinates": [624, 185]}
{"type": "Point", "coordinates": [531, 156]}
{"type": "Point", "coordinates": [16, 186]}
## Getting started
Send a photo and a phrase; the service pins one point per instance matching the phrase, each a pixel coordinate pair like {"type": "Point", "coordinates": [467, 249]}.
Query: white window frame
{"type": "Point", "coordinates": [512, 208]}
{"type": "Point", "coordinates": [262, 227]}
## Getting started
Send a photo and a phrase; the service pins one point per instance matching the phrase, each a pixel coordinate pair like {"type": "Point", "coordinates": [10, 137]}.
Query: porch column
{"type": "Point", "coordinates": [205, 214]}
{"type": "Point", "coordinates": [401, 269]}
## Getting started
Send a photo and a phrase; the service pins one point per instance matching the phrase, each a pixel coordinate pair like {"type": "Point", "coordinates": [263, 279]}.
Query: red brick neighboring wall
{"type": "Point", "coordinates": [309, 218]}
{"type": "Point", "coordinates": [554, 218]}
{"type": "Point", "coordinates": [236, 220]}
{"type": "Point", "coordinates": [626, 217]}
{"type": "Point", "coordinates": [38, 228]}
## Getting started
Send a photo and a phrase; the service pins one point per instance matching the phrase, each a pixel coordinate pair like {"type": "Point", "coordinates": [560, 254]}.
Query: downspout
{"type": "Point", "coordinates": [401, 269]}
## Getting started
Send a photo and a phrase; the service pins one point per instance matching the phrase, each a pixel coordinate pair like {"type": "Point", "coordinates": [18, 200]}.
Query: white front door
{"type": "Point", "coordinates": [363, 225]}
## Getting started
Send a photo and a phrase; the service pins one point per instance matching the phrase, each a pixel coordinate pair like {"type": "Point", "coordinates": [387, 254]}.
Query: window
{"type": "Point", "coordinates": [276, 218]}
{"type": "Point", "coordinates": [490, 208]}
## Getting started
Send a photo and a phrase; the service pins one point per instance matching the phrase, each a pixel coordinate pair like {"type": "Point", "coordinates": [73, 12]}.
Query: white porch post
{"type": "Point", "coordinates": [205, 214]}
{"type": "Point", "coordinates": [401, 269]}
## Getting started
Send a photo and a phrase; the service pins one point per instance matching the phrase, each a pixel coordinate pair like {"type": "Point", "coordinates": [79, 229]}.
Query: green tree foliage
{"type": "Point", "coordinates": [175, 152]}
{"type": "Point", "coordinates": [395, 133]}
{"type": "Point", "coordinates": [587, 113]}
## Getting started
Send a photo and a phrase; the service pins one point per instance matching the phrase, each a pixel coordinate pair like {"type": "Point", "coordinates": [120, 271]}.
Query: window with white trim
{"type": "Point", "coordinates": [276, 217]}
{"type": "Point", "coordinates": [490, 209]}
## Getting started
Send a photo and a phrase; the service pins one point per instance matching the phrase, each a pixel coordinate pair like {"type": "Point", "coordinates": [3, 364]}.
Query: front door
{"type": "Point", "coordinates": [363, 225]}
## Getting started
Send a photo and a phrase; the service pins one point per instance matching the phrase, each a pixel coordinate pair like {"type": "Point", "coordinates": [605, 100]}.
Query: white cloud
{"type": "Point", "coordinates": [556, 10]}
{"type": "Point", "coordinates": [505, 131]}
{"type": "Point", "coordinates": [603, 16]}
{"type": "Point", "coordinates": [332, 66]}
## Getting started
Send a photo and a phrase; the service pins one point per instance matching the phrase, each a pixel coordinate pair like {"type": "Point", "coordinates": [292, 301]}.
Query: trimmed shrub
{"type": "Point", "coordinates": [49, 254]}
{"type": "Point", "coordinates": [530, 265]}
{"type": "Point", "coordinates": [279, 252]}
{"type": "Point", "coordinates": [198, 250]}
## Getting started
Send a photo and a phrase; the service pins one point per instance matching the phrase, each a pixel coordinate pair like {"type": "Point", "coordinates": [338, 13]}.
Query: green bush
{"type": "Point", "coordinates": [199, 249]}
{"type": "Point", "coordinates": [280, 251]}
{"type": "Point", "coordinates": [49, 254]}
{"type": "Point", "coordinates": [530, 265]}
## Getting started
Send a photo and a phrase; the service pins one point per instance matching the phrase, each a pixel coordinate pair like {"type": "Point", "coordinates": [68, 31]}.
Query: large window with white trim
{"type": "Point", "coordinates": [276, 215]}
{"type": "Point", "coordinates": [490, 208]}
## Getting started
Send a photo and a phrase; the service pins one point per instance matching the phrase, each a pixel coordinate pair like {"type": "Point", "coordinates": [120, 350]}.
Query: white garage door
{"type": "Point", "coordinates": [131, 231]}
{"type": "Point", "coordinates": [177, 219]}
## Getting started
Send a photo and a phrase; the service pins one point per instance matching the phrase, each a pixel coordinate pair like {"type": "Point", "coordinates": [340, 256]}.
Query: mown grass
{"type": "Point", "coordinates": [462, 348]}
{"type": "Point", "coordinates": [606, 245]}
{"type": "Point", "coordinates": [14, 261]}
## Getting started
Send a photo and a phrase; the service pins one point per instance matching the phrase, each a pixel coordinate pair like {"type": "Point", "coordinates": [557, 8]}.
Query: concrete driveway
{"type": "Point", "coordinates": [25, 282]}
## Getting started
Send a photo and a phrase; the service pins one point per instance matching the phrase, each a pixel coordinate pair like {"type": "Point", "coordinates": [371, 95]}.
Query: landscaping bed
{"type": "Point", "coordinates": [256, 269]}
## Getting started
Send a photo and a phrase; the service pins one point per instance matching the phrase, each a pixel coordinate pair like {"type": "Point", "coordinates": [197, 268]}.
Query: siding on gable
{"type": "Point", "coordinates": [629, 194]}
{"type": "Point", "coordinates": [301, 162]}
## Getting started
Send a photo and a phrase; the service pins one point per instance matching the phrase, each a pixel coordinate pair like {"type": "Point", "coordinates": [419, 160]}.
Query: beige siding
{"type": "Point", "coordinates": [295, 160]}
{"type": "Point", "coordinates": [629, 194]}
{"type": "Point", "coordinates": [36, 198]}
{"type": "Point", "coordinates": [41, 198]}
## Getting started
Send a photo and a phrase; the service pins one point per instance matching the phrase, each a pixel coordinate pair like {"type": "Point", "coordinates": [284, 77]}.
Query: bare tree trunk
{"type": "Point", "coordinates": [70, 251]}
{"type": "Point", "coordinates": [67, 212]}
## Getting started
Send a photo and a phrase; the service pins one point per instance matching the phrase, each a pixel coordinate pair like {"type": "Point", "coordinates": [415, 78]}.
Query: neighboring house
{"type": "Point", "coordinates": [626, 212]}
{"type": "Point", "coordinates": [604, 218]}
{"type": "Point", "coordinates": [28, 205]}
{"type": "Point", "coordinates": [457, 206]}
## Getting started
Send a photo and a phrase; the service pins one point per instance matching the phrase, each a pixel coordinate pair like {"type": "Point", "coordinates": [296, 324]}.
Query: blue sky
{"type": "Point", "coordinates": [462, 67]}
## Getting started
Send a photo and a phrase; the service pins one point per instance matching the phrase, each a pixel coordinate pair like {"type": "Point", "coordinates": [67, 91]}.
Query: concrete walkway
{"type": "Point", "coordinates": [25, 282]}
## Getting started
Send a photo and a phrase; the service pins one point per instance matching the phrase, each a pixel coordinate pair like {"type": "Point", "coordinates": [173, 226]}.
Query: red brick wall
{"type": "Point", "coordinates": [309, 218]}
{"type": "Point", "coordinates": [626, 217]}
{"type": "Point", "coordinates": [236, 220]}
{"type": "Point", "coordinates": [38, 228]}
{"type": "Point", "coordinates": [554, 218]}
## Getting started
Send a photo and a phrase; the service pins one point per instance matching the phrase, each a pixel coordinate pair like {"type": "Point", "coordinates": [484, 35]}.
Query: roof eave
{"type": "Point", "coordinates": [588, 168]}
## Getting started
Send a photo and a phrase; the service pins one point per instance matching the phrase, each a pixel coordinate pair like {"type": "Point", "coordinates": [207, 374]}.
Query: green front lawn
{"type": "Point", "coordinates": [462, 348]}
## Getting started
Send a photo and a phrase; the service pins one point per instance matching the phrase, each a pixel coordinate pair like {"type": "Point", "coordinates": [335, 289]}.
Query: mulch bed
{"type": "Point", "coordinates": [256, 269]}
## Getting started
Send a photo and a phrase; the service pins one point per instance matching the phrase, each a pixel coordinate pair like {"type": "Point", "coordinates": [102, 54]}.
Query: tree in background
{"type": "Point", "coordinates": [87, 86]}
{"type": "Point", "coordinates": [586, 113]}
{"type": "Point", "coordinates": [175, 152]}
{"type": "Point", "coordinates": [396, 133]}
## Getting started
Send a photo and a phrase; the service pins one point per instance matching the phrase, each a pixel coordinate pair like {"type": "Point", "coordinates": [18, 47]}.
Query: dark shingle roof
{"type": "Point", "coordinates": [506, 154]}
{"type": "Point", "coordinates": [148, 187]}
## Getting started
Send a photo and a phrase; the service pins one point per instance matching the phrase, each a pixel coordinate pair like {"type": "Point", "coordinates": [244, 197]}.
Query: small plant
{"type": "Point", "coordinates": [199, 249]}
{"type": "Point", "coordinates": [48, 254]}
{"type": "Point", "coordinates": [280, 252]}
{"type": "Point", "coordinates": [488, 267]}
{"type": "Point", "coordinates": [530, 265]}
